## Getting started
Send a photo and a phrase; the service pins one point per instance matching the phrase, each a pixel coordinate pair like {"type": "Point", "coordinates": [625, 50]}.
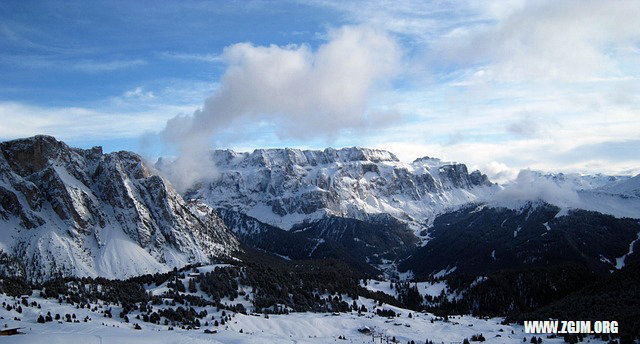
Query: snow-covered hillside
{"type": "Point", "coordinates": [102, 322]}
{"type": "Point", "coordinates": [292, 328]}
{"type": "Point", "coordinates": [283, 187]}
{"type": "Point", "coordinates": [68, 211]}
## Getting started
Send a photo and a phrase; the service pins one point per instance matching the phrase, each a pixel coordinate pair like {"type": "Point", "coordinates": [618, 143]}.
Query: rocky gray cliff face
{"type": "Point", "coordinates": [67, 211]}
{"type": "Point", "coordinates": [284, 187]}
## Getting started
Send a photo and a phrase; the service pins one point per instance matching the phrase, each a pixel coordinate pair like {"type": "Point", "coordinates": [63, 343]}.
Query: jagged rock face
{"type": "Point", "coordinates": [68, 211]}
{"type": "Point", "coordinates": [283, 187]}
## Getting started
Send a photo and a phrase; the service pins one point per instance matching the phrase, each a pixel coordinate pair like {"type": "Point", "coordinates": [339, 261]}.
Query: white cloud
{"type": "Point", "coordinates": [94, 66]}
{"type": "Point", "coordinates": [532, 186]}
{"type": "Point", "coordinates": [139, 93]}
{"type": "Point", "coordinates": [417, 21]}
{"type": "Point", "coordinates": [134, 112]}
{"type": "Point", "coordinates": [498, 172]}
{"type": "Point", "coordinates": [85, 65]}
{"type": "Point", "coordinates": [214, 58]}
{"type": "Point", "coordinates": [498, 85]}
{"type": "Point", "coordinates": [306, 94]}
{"type": "Point", "coordinates": [547, 40]}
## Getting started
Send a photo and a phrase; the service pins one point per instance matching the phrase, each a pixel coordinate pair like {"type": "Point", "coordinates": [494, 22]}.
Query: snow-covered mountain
{"type": "Point", "coordinates": [365, 207]}
{"type": "Point", "coordinates": [285, 187]}
{"type": "Point", "coordinates": [577, 181]}
{"type": "Point", "coordinates": [628, 187]}
{"type": "Point", "coordinates": [613, 195]}
{"type": "Point", "coordinates": [67, 211]}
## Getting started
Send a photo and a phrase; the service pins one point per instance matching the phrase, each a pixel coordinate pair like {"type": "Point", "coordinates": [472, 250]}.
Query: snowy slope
{"type": "Point", "coordinates": [291, 328]}
{"type": "Point", "coordinates": [68, 211]}
{"type": "Point", "coordinates": [283, 187]}
{"type": "Point", "coordinates": [432, 289]}
{"type": "Point", "coordinates": [627, 187]}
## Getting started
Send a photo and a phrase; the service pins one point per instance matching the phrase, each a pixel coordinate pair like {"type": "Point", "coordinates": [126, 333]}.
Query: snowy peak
{"type": "Point", "coordinates": [613, 195]}
{"type": "Point", "coordinates": [576, 181]}
{"type": "Point", "coordinates": [283, 187]}
{"type": "Point", "coordinates": [71, 211]}
{"type": "Point", "coordinates": [31, 155]}
{"type": "Point", "coordinates": [290, 156]}
{"type": "Point", "coordinates": [626, 187]}
{"type": "Point", "coordinates": [460, 177]}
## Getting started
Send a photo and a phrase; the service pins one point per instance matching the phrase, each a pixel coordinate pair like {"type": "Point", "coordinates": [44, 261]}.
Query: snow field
{"type": "Point", "coordinates": [292, 328]}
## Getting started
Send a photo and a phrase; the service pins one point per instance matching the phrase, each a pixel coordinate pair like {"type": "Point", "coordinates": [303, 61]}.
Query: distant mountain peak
{"type": "Point", "coordinates": [294, 156]}
{"type": "Point", "coordinates": [285, 186]}
{"type": "Point", "coordinates": [626, 187]}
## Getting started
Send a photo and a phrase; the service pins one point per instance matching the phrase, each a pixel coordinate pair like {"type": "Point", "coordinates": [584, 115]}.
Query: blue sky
{"type": "Point", "coordinates": [501, 86]}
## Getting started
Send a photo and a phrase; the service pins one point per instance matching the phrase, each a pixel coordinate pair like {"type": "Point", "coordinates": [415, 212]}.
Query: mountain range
{"type": "Point", "coordinates": [74, 212]}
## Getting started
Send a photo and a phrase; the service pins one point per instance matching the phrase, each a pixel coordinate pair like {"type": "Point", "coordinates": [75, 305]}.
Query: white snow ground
{"type": "Point", "coordinates": [292, 328]}
{"type": "Point", "coordinates": [424, 288]}
{"type": "Point", "coordinates": [256, 328]}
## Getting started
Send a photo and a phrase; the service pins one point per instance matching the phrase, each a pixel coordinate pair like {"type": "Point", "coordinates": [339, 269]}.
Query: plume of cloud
{"type": "Point", "coordinates": [498, 172]}
{"type": "Point", "coordinates": [532, 186]}
{"type": "Point", "coordinates": [303, 93]}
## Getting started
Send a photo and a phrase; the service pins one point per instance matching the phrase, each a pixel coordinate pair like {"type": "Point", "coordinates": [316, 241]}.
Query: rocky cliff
{"type": "Point", "coordinates": [284, 187]}
{"type": "Point", "coordinates": [67, 211]}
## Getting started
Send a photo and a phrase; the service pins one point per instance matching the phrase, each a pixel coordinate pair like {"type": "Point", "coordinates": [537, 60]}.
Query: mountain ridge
{"type": "Point", "coordinates": [69, 211]}
{"type": "Point", "coordinates": [284, 187]}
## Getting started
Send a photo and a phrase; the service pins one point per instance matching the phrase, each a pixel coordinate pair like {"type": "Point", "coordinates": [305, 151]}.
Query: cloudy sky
{"type": "Point", "coordinates": [499, 85]}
